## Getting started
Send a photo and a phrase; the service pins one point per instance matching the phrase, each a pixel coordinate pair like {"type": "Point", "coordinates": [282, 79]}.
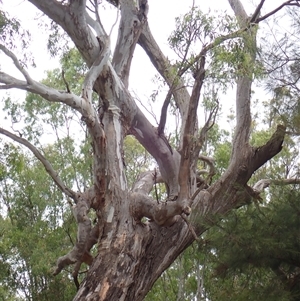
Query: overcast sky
{"type": "Point", "coordinates": [161, 20]}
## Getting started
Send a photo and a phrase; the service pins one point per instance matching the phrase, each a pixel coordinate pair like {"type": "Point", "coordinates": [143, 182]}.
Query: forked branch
{"type": "Point", "coordinates": [264, 17]}
{"type": "Point", "coordinates": [95, 70]}
{"type": "Point", "coordinates": [142, 205]}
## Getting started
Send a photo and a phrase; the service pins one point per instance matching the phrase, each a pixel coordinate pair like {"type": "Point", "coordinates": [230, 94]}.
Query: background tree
{"type": "Point", "coordinates": [138, 237]}
{"type": "Point", "coordinates": [37, 227]}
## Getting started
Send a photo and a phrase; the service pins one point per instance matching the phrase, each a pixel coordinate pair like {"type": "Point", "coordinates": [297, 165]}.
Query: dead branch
{"type": "Point", "coordinates": [265, 183]}
{"type": "Point", "coordinates": [163, 114]}
{"type": "Point", "coordinates": [64, 80]}
{"type": "Point", "coordinates": [86, 238]}
{"type": "Point", "coordinates": [190, 227]}
{"type": "Point", "coordinates": [287, 3]}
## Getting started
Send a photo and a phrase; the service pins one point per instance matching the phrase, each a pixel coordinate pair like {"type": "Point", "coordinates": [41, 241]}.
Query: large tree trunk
{"type": "Point", "coordinates": [138, 238]}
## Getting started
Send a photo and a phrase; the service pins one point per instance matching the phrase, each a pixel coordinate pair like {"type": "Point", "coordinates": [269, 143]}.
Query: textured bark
{"type": "Point", "coordinates": [132, 253]}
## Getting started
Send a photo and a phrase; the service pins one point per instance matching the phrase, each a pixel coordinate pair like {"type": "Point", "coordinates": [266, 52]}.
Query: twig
{"type": "Point", "coordinates": [155, 188]}
{"type": "Point", "coordinates": [66, 83]}
{"type": "Point", "coordinates": [190, 228]}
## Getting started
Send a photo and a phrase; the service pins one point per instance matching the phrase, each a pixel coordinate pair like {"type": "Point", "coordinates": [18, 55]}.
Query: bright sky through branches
{"type": "Point", "coordinates": [161, 20]}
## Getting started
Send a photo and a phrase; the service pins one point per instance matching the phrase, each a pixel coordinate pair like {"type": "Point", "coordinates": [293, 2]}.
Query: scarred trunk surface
{"type": "Point", "coordinates": [133, 254]}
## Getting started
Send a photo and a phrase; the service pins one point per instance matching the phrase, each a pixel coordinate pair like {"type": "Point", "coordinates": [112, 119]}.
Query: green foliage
{"type": "Point", "coordinates": [197, 27]}
{"type": "Point", "coordinates": [219, 147]}
{"type": "Point", "coordinates": [58, 40]}
{"type": "Point", "coordinates": [39, 224]}
{"type": "Point", "coordinates": [285, 108]}
{"type": "Point", "coordinates": [36, 227]}
{"type": "Point", "coordinates": [282, 64]}
{"type": "Point", "coordinates": [255, 252]}
{"type": "Point", "coordinates": [228, 59]}
{"type": "Point", "coordinates": [8, 27]}
{"type": "Point", "coordinates": [180, 281]}
{"type": "Point", "coordinates": [252, 254]}
{"type": "Point", "coordinates": [190, 28]}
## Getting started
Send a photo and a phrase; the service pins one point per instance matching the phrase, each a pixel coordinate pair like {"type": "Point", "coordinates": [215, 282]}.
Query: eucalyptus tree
{"type": "Point", "coordinates": [38, 226]}
{"type": "Point", "coordinates": [138, 237]}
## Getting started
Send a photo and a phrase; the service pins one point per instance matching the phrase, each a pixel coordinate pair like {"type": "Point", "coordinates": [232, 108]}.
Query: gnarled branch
{"type": "Point", "coordinates": [86, 238]}
{"type": "Point", "coordinates": [163, 214]}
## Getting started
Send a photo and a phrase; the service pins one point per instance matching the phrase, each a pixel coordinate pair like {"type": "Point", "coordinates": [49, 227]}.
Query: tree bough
{"type": "Point", "coordinates": [137, 237]}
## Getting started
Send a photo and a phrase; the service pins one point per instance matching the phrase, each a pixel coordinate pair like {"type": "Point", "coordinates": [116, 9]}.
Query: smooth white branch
{"type": "Point", "coordinates": [16, 63]}
{"type": "Point", "coordinates": [95, 24]}
{"type": "Point", "coordinates": [50, 94]}
{"type": "Point", "coordinates": [129, 31]}
{"type": "Point", "coordinates": [82, 104]}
